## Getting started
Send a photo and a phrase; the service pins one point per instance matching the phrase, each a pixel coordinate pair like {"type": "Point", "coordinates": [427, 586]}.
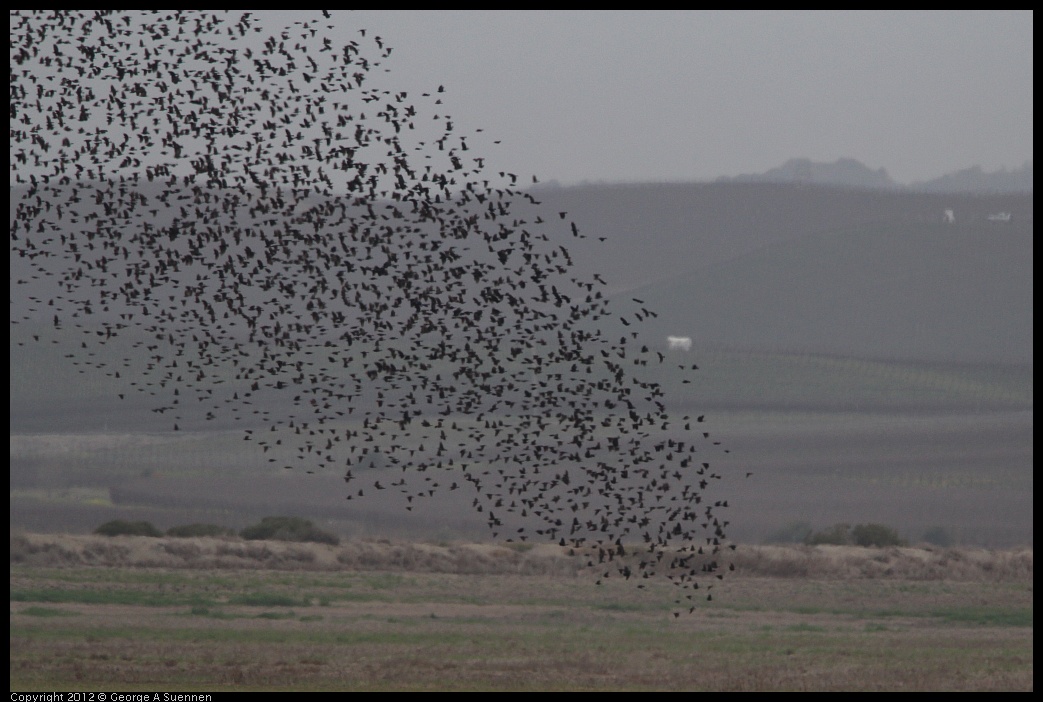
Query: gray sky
{"type": "Point", "coordinates": [694, 95]}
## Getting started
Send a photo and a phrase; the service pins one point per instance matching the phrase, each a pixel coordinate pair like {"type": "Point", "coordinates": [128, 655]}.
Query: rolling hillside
{"type": "Point", "coordinates": [654, 232]}
{"type": "Point", "coordinates": [960, 293]}
{"type": "Point", "coordinates": [860, 359]}
{"type": "Point", "coordinates": [770, 274]}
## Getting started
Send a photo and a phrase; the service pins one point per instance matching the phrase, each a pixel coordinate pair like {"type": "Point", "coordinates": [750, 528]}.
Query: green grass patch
{"type": "Point", "coordinates": [805, 627]}
{"type": "Point", "coordinates": [48, 612]}
{"type": "Point", "coordinates": [985, 616]}
{"type": "Point", "coordinates": [110, 597]}
{"type": "Point", "coordinates": [209, 613]}
{"type": "Point", "coordinates": [269, 599]}
{"type": "Point", "coordinates": [386, 581]}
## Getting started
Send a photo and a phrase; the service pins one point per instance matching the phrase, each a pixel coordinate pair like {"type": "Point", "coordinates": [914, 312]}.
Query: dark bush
{"type": "Point", "coordinates": [185, 531]}
{"type": "Point", "coordinates": [121, 527]}
{"type": "Point", "coordinates": [836, 535]}
{"type": "Point", "coordinates": [876, 535]}
{"type": "Point", "coordinates": [288, 529]}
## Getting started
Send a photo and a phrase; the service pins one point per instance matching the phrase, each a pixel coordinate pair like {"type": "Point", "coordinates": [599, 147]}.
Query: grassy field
{"type": "Point", "coordinates": [968, 473]}
{"type": "Point", "coordinates": [132, 613]}
{"type": "Point", "coordinates": [918, 446]}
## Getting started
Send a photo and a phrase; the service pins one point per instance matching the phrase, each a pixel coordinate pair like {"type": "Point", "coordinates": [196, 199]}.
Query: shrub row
{"type": "Point", "coordinates": [858, 535]}
{"type": "Point", "coordinates": [288, 529]}
{"type": "Point", "coordinates": [269, 529]}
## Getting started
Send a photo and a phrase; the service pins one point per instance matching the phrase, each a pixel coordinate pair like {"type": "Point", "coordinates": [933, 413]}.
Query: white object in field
{"type": "Point", "coordinates": [950, 217]}
{"type": "Point", "coordinates": [679, 343]}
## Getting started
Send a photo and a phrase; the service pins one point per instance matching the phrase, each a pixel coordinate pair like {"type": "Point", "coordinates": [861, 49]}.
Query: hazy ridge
{"type": "Point", "coordinates": [851, 173]}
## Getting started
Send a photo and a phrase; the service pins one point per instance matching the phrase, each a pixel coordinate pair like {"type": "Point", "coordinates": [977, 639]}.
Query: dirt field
{"type": "Point", "coordinates": [94, 613]}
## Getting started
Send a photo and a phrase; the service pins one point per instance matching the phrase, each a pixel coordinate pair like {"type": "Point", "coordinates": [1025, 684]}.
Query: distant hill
{"type": "Point", "coordinates": [656, 231]}
{"type": "Point", "coordinates": [928, 292]}
{"type": "Point", "coordinates": [974, 179]}
{"type": "Point", "coordinates": [846, 172]}
{"type": "Point", "coordinates": [851, 173]}
{"type": "Point", "coordinates": [865, 273]}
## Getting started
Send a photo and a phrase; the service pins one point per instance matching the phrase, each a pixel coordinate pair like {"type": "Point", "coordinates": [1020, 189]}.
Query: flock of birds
{"type": "Point", "coordinates": [288, 242]}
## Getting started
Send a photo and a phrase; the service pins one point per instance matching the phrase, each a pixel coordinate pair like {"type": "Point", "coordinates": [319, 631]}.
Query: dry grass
{"type": "Point", "coordinates": [50, 550]}
{"type": "Point", "coordinates": [900, 563]}
{"type": "Point", "coordinates": [814, 562]}
{"type": "Point", "coordinates": [135, 613]}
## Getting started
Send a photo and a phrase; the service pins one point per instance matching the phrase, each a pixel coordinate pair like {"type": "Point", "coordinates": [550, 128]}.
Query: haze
{"type": "Point", "coordinates": [680, 96]}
